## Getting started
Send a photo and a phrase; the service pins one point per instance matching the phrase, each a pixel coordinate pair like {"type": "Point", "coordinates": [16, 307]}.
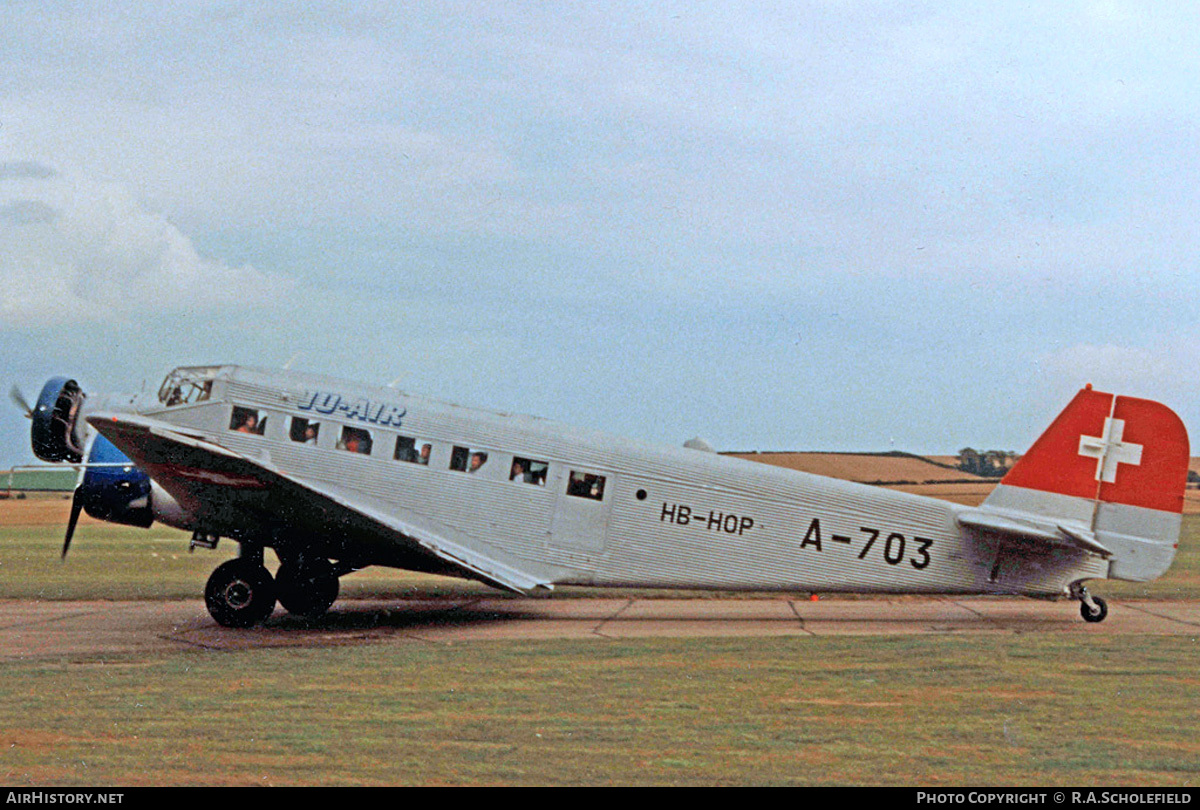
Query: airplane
{"type": "Point", "coordinates": [336, 476]}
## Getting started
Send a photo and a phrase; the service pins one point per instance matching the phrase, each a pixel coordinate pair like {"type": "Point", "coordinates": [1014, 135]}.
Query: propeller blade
{"type": "Point", "coordinates": [15, 395]}
{"type": "Point", "coordinates": [76, 508]}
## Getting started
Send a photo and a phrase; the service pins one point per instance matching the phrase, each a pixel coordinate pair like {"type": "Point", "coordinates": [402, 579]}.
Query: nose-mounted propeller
{"type": "Point", "coordinates": [76, 508]}
{"type": "Point", "coordinates": [55, 434]}
{"type": "Point", "coordinates": [19, 400]}
{"type": "Point", "coordinates": [110, 486]}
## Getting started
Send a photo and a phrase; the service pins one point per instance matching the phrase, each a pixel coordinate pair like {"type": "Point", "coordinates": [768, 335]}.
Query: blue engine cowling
{"type": "Point", "coordinates": [118, 491]}
{"type": "Point", "coordinates": [56, 432]}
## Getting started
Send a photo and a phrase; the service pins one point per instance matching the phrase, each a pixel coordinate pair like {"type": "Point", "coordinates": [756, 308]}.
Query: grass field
{"type": "Point", "coordinates": [116, 562]}
{"type": "Point", "coordinates": [1030, 710]}
{"type": "Point", "coordinates": [1033, 709]}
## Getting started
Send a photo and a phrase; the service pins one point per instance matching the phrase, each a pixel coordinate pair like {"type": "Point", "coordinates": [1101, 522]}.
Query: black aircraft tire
{"type": "Point", "coordinates": [240, 594]}
{"type": "Point", "coordinates": [1097, 615]}
{"type": "Point", "coordinates": [307, 591]}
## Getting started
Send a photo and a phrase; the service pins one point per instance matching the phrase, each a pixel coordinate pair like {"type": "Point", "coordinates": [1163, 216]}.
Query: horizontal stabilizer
{"type": "Point", "coordinates": [1026, 528]}
{"type": "Point", "coordinates": [1108, 477]}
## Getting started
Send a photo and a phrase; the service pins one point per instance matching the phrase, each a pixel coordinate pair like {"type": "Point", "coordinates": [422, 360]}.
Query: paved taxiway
{"type": "Point", "coordinates": [30, 629]}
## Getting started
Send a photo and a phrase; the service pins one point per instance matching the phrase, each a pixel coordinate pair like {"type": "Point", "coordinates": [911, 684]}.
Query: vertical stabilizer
{"type": "Point", "coordinates": [1115, 465]}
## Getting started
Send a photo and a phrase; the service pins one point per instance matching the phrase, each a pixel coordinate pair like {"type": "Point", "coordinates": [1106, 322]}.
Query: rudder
{"type": "Point", "coordinates": [1116, 464]}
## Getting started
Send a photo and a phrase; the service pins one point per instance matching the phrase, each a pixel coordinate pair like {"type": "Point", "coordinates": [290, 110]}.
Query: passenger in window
{"type": "Point", "coordinates": [576, 485]}
{"type": "Point", "coordinates": [240, 418]}
{"type": "Point", "coordinates": [478, 459]}
{"type": "Point", "coordinates": [407, 450]}
{"type": "Point", "coordinates": [355, 441]}
{"type": "Point", "coordinates": [404, 450]}
{"type": "Point", "coordinates": [249, 424]}
{"type": "Point", "coordinates": [302, 431]}
{"type": "Point", "coordinates": [586, 485]}
{"type": "Point", "coordinates": [528, 472]}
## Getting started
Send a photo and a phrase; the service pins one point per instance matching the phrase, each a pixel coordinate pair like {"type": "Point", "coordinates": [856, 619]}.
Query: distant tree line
{"type": "Point", "coordinates": [987, 463]}
{"type": "Point", "coordinates": [995, 463]}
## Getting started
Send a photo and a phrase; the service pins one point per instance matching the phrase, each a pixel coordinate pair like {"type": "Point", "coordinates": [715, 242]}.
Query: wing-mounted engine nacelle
{"type": "Point", "coordinates": [115, 489]}
{"type": "Point", "coordinates": [57, 431]}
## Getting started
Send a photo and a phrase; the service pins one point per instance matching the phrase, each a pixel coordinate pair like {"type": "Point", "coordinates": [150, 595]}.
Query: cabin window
{"type": "Point", "coordinates": [248, 420]}
{"type": "Point", "coordinates": [414, 451]}
{"type": "Point", "coordinates": [586, 485]}
{"type": "Point", "coordinates": [355, 440]}
{"type": "Point", "coordinates": [464, 459]}
{"type": "Point", "coordinates": [528, 471]}
{"type": "Point", "coordinates": [304, 431]}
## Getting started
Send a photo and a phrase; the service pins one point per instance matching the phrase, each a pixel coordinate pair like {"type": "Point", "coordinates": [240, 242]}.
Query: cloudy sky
{"type": "Point", "coordinates": [803, 225]}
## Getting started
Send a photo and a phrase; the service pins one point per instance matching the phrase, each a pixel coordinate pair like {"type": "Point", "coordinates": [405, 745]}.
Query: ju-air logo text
{"type": "Point", "coordinates": [364, 410]}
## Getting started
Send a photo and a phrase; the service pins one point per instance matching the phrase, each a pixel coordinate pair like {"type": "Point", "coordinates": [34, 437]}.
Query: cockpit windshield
{"type": "Point", "coordinates": [187, 386]}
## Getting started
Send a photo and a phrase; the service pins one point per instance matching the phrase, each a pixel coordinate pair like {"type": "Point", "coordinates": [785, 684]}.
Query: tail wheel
{"type": "Point", "coordinates": [307, 589]}
{"type": "Point", "coordinates": [240, 593]}
{"type": "Point", "coordinates": [1095, 612]}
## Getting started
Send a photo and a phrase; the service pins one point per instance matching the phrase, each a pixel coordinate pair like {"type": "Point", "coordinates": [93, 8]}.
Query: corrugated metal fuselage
{"type": "Point", "coordinates": [669, 517]}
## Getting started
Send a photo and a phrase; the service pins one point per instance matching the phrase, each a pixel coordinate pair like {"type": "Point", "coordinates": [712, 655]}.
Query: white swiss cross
{"type": "Point", "coordinates": [1109, 450]}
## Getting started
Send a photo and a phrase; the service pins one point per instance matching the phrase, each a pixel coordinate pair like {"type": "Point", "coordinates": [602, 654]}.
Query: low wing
{"type": "Point", "coordinates": [233, 491]}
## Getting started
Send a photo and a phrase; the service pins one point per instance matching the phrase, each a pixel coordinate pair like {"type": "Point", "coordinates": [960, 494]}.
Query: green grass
{"type": "Point", "coordinates": [1031, 710]}
{"type": "Point", "coordinates": [117, 562]}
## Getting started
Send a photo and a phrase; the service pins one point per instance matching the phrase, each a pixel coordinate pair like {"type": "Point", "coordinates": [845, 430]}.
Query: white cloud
{"type": "Point", "coordinates": [73, 250]}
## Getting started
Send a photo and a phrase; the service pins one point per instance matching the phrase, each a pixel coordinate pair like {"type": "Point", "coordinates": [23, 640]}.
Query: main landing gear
{"type": "Point", "coordinates": [1092, 608]}
{"type": "Point", "coordinates": [242, 592]}
{"type": "Point", "coordinates": [307, 587]}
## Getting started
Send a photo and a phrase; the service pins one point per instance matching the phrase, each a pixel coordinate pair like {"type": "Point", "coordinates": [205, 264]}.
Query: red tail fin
{"type": "Point", "coordinates": [1111, 449]}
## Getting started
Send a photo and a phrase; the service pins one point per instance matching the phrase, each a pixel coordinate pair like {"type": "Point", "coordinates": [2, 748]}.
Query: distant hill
{"type": "Point", "coordinates": [934, 476]}
{"type": "Point", "coordinates": [886, 469]}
